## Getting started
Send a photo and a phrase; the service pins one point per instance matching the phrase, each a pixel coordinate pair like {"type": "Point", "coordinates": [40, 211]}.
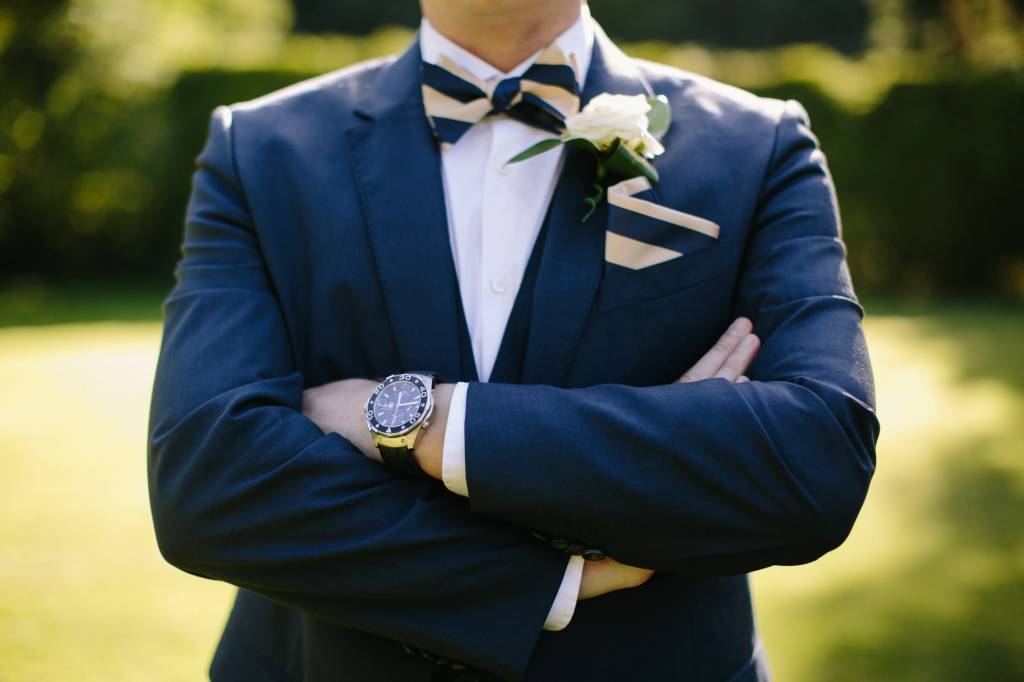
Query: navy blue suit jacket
{"type": "Point", "coordinates": [316, 249]}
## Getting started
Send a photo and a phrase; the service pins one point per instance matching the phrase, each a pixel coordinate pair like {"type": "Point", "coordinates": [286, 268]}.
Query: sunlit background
{"type": "Point", "coordinates": [919, 105]}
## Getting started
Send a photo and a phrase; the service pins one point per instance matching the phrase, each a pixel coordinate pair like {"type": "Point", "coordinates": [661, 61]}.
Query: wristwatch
{"type": "Point", "coordinates": [397, 411]}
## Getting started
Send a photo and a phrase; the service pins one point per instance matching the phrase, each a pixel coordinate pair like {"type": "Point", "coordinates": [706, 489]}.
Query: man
{"type": "Point", "coordinates": [554, 478]}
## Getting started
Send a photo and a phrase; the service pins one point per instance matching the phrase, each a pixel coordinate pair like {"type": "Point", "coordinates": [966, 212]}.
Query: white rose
{"type": "Point", "coordinates": [609, 117]}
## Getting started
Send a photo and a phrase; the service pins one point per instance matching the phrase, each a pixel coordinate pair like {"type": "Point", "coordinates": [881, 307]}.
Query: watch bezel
{"type": "Point", "coordinates": [424, 409]}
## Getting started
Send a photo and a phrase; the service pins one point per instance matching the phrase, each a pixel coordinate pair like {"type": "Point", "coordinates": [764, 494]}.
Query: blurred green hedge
{"type": "Point", "coordinates": [841, 24]}
{"type": "Point", "coordinates": [928, 180]}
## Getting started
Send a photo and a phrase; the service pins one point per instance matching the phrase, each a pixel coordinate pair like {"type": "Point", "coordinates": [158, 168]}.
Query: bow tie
{"type": "Point", "coordinates": [543, 96]}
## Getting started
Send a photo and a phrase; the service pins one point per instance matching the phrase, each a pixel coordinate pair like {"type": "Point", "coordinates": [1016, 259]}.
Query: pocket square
{"type": "Point", "coordinates": [642, 233]}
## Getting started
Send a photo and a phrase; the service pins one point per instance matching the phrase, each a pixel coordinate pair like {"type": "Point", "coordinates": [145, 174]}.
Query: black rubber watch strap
{"type": "Point", "coordinates": [402, 461]}
{"type": "Point", "coordinates": [434, 378]}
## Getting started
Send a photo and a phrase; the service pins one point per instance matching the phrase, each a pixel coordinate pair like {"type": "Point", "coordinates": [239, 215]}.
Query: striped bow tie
{"type": "Point", "coordinates": [542, 97]}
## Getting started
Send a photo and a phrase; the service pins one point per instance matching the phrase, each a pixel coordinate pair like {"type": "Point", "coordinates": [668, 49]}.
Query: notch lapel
{"type": "Point", "coordinates": [397, 167]}
{"type": "Point", "coordinates": [573, 259]}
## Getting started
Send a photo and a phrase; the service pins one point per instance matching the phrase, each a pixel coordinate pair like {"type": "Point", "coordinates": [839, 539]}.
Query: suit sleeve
{"type": "Point", "coordinates": [247, 490]}
{"type": "Point", "coordinates": [709, 478]}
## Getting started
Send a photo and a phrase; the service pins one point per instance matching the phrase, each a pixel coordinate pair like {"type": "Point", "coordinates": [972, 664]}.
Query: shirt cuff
{"type": "Point", "coordinates": [453, 452]}
{"type": "Point", "coordinates": [568, 593]}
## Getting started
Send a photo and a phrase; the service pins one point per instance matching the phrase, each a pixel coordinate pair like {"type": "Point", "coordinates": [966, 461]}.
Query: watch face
{"type": "Point", "coordinates": [397, 405]}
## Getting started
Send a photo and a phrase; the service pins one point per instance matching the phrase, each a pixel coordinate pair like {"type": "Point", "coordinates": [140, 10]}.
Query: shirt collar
{"type": "Point", "coordinates": [576, 40]}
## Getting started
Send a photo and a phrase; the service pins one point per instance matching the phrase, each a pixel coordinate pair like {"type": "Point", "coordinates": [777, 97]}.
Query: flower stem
{"type": "Point", "coordinates": [593, 200]}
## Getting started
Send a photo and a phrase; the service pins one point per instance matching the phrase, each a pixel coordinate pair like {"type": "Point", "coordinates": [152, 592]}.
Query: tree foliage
{"type": "Point", "coordinates": [841, 24]}
{"type": "Point", "coordinates": [105, 105]}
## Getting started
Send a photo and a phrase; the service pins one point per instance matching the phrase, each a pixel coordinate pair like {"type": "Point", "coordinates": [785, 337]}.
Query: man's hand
{"type": "Point", "coordinates": [608, 575]}
{"type": "Point", "coordinates": [728, 359]}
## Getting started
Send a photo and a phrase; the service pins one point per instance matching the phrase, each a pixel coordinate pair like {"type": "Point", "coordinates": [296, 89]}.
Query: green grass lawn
{"type": "Point", "coordinates": [930, 585]}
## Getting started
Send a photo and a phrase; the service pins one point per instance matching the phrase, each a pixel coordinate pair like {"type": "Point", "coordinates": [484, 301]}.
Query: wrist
{"type": "Point", "coordinates": [366, 443]}
{"type": "Point", "coordinates": [430, 444]}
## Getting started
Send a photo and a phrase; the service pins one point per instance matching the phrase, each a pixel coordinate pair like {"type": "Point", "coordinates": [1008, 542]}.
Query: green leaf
{"type": "Point", "coordinates": [584, 144]}
{"type": "Point", "coordinates": [539, 148]}
{"type": "Point", "coordinates": [659, 118]}
{"type": "Point", "coordinates": [625, 162]}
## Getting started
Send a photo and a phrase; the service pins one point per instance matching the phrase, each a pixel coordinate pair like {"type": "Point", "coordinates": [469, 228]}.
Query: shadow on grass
{"type": "Point", "coordinates": [955, 612]}
{"type": "Point", "coordinates": [34, 304]}
{"type": "Point", "coordinates": [989, 334]}
{"type": "Point", "coordinates": [992, 348]}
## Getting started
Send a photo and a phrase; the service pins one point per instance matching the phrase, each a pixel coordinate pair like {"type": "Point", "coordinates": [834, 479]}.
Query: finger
{"type": "Point", "coordinates": [743, 379]}
{"type": "Point", "coordinates": [713, 360]}
{"type": "Point", "coordinates": [739, 360]}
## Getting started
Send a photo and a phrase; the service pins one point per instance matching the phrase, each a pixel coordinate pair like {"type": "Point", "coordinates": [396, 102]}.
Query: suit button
{"type": "Point", "coordinates": [593, 554]}
{"type": "Point", "coordinates": [575, 550]}
{"type": "Point", "coordinates": [559, 543]}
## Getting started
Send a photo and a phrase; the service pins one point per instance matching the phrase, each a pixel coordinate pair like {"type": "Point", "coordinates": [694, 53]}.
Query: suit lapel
{"type": "Point", "coordinates": [398, 171]}
{"type": "Point", "coordinates": [573, 257]}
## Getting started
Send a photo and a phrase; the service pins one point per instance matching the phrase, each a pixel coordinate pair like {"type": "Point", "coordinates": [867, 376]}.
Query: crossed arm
{"type": "Point", "coordinates": [336, 407]}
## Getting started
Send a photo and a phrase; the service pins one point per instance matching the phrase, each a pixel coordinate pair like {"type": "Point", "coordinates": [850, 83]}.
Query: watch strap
{"type": "Point", "coordinates": [401, 460]}
{"type": "Point", "coordinates": [435, 379]}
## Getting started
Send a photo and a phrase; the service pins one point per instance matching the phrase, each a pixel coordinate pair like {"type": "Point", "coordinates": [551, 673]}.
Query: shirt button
{"type": "Point", "coordinates": [497, 285]}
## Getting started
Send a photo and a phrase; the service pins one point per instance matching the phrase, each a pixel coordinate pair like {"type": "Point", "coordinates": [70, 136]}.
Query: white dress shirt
{"type": "Point", "coordinates": [494, 215]}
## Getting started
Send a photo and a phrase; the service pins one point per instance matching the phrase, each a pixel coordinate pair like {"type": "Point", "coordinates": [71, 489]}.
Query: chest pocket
{"type": "Point", "coordinates": [621, 286]}
{"type": "Point", "coordinates": [652, 250]}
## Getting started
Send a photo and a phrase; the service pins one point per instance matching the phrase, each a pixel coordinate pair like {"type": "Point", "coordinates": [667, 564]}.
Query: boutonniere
{"type": "Point", "coordinates": [621, 131]}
